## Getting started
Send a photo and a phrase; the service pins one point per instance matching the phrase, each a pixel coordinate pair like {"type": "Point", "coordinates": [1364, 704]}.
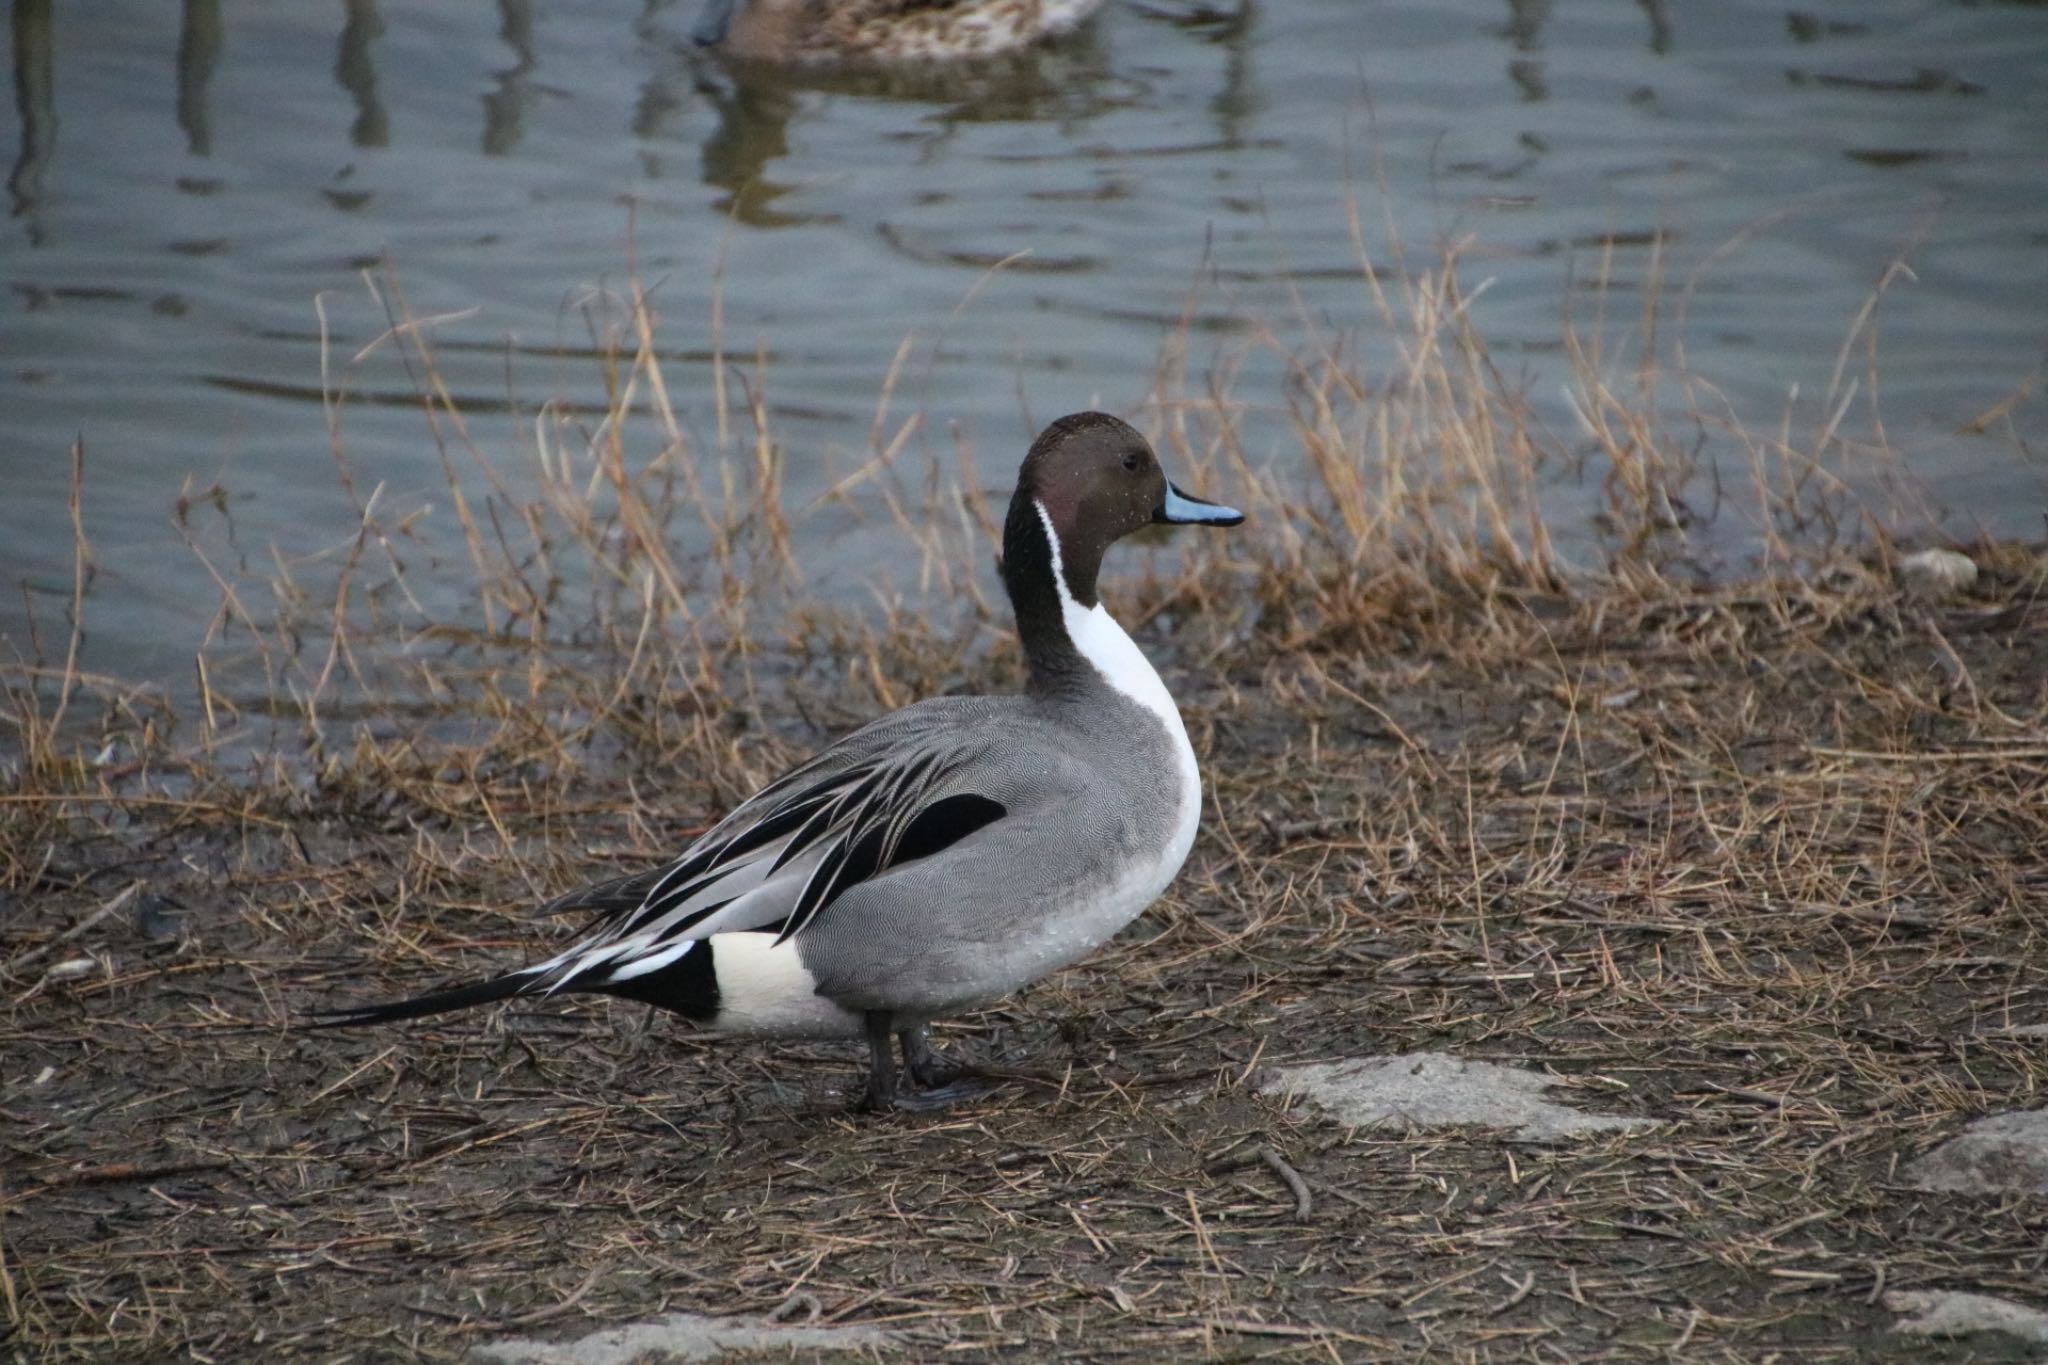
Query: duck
{"type": "Point", "coordinates": [939, 858]}
{"type": "Point", "coordinates": [839, 32]}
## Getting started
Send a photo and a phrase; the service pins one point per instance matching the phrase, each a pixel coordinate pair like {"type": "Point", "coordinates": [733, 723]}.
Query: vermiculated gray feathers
{"type": "Point", "coordinates": [906, 786]}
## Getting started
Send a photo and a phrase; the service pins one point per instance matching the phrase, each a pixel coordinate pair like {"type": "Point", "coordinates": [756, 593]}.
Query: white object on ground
{"type": "Point", "coordinates": [1952, 1313]}
{"type": "Point", "coordinates": [1938, 573]}
{"type": "Point", "coordinates": [1430, 1089]}
{"type": "Point", "coordinates": [683, 1337]}
{"type": "Point", "coordinates": [2004, 1152]}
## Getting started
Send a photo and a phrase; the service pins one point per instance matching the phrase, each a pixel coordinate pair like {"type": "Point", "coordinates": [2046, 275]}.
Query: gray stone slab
{"type": "Point", "coordinates": [682, 1337]}
{"type": "Point", "coordinates": [1999, 1154]}
{"type": "Point", "coordinates": [1937, 573]}
{"type": "Point", "coordinates": [1431, 1090]}
{"type": "Point", "coordinates": [1951, 1313]}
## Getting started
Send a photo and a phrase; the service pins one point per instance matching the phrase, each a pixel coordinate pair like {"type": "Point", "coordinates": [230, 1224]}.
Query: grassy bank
{"type": "Point", "coordinates": [1758, 852]}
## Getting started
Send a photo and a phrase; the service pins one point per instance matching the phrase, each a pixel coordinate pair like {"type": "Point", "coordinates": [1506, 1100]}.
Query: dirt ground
{"type": "Point", "coordinates": [1767, 868]}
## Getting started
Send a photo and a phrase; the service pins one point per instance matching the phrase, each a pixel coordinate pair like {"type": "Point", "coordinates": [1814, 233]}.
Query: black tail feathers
{"type": "Point", "coordinates": [438, 1002]}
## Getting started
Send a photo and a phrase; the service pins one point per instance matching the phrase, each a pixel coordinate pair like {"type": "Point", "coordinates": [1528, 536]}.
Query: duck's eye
{"type": "Point", "coordinates": [1133, 462]}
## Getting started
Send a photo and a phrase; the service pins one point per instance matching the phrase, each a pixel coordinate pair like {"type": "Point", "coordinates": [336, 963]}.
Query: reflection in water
{"type": "Point", "coordinates": [198, 49]}
{"type": "Point", "coordinates": [1926, 80]}
{"type": "Point", "coordinates": [1236, 102]}
{"type": "Point", "coordinates": [35, 99]}
{"type": "Point", "coordinates": [1809, 28]}
{"type": "Point", "coordinates": [756, 105]}
{"type": "Point", "coordinates": [357, 74]}
{"type": "Point", "coordinates": [753, 126]}
{"type": "Point", "coordinates": [1524, 29]}
{"type": "Point", "coordinates": [1527, 74]}
{"type": "Point", "coordinates": [1660, 26]}
{"type": "Point", "coordinates": [504, 106]}
{"type": "Point", "coordinates": [658, 98]}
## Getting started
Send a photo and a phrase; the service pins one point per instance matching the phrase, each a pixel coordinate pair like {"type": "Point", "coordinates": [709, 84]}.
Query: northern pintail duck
{"type": "Point", "coordinates": [941, 857]}
{"type": "Point", "coordinates": [815, 32]}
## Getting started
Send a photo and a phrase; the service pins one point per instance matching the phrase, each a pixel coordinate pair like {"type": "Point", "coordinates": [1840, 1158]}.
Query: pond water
{"type": "Point", "coordinates": [196, 189]}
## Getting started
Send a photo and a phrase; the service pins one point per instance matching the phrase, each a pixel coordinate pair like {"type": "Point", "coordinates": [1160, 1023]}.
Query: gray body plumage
{"type": "Point", "coordinates": [1029, 893]}
{"type": "Point", "coordinates": [1098, 799]}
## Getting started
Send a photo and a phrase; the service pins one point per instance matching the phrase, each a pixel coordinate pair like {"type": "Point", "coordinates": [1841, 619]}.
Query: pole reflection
{"type": "Point", "coordinates": [505, 107]}
{"type": "Point", "coordinates": [356, 72]}
{"type": "Point", "coordinates": [35, 100]}
{"type": "Point", "coordinates": [199, 42]}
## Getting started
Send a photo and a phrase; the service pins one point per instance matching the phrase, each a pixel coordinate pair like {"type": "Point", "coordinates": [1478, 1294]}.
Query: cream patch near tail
{"type": "Point", "coordinates": [764, 988]}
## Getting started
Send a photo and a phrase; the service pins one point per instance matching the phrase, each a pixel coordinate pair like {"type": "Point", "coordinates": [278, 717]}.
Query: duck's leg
{"type": "Point", "coordinates": [920, 1063]}
{"type": "Point", "coordinates": [881, 1091]}
{"type": "Point", "coordinates": [939, 1083]}
{"type": "Point", "coordinates": [942, 1082]}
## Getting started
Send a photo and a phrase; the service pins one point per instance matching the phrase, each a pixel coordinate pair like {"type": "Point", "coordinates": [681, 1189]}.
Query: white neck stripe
{"type": "Point", "coordinates": [1059, 565]}
{"type": "Point", "coordinates": [1102, 642]}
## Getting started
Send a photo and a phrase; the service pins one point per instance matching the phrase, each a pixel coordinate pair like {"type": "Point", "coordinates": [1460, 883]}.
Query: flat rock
{"type": "Point", "coordinates": [1434, 1090]}
{"type": "Point", "coordinates": [1938, 573]}
{"type": "Point", "coordinates": [1951, 1313]}
{"type": "Point", "coordinates": [682, 1337]}
{"type": "Point", "coordinates": [2005, 1152]}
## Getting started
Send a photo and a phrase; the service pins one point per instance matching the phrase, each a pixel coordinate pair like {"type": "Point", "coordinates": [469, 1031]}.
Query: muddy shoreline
{"type": "Point", "coordinates": [1763, 870]}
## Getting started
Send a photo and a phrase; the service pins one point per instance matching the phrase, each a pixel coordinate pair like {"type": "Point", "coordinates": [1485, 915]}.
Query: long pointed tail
{"type": "Point", "coordinates": [438, 1002]}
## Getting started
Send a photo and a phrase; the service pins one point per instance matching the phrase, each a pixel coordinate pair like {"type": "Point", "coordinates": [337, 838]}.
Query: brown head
{"type": "Point", "coordinates": [1089, 480]}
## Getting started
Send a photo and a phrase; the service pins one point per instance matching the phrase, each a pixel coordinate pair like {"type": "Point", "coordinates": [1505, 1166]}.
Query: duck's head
{"type": "Point", "coordinates": [1090, 480]}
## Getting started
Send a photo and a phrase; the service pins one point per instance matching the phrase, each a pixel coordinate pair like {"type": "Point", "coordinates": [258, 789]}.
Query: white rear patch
{"type": "Point", "coordinates": [763, 987]}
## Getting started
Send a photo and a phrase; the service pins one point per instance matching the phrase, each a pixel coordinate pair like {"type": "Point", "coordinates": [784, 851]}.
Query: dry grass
{"type": "Point", "coordinates": [1758, 856]}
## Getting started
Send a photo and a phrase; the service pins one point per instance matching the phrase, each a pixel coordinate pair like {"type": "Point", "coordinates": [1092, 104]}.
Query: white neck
{"type": "Point", "coordinates": [1103, 643]}
{"type": "Point", "coordinates": [1111, 653]}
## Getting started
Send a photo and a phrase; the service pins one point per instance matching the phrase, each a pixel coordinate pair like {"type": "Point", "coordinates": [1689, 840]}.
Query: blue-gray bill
{"type": "Point", "coordinates": [1180, 509]}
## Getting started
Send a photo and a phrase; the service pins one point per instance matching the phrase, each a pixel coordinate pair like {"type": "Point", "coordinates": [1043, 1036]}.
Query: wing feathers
{"type": "Point", "coordinates": [780, 860]}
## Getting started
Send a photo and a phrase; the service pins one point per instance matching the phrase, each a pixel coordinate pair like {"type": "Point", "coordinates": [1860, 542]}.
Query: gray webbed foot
{"type": "Point", "coordinates": [926, 1068]}
{"type": "Point", "coordinates": [937, 1083]}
